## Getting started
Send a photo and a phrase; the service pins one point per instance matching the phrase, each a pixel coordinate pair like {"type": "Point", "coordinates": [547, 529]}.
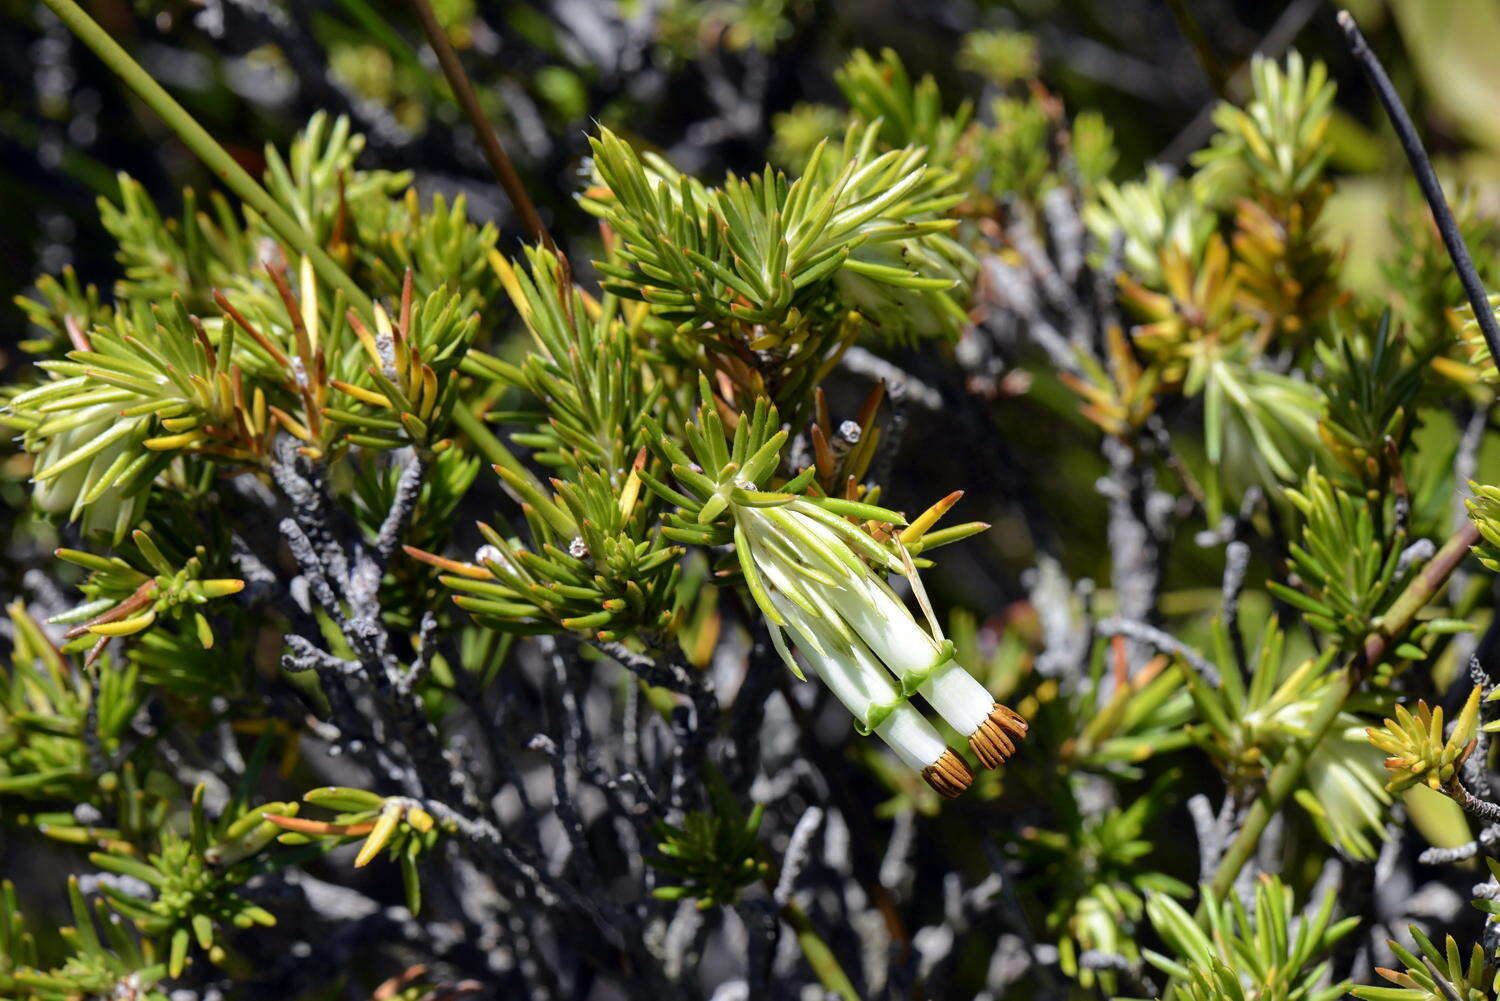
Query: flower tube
{"type": "Point", "coordinates": [882, 620]}
{"type": "Point", "coordinates": [910, 652]}
{"type": "Point", "coordinates": [808, 570]}
{"type": "Point", "coordinates": [864, 687]}
{"type": "Point", "coordinates": [813, 565]}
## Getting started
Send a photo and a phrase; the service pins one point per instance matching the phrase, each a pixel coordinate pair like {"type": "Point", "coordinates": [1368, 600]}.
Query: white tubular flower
{"type": "Point", "coordinates": [807, 569]}
{"type": "Point", "coordinates": [913, 654]}
{"type": "Point", "coordinates": [818, 574]}
{"type": "Point", "coordinates": [857, 680]}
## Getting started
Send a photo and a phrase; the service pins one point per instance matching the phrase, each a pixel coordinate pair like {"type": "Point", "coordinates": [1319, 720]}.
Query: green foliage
{"type": "Point", "coordinates": [598, 560]}
{"type": "Point", "coordinates": [1347, 563]}
{"type": "Point", "coordinates": [596, 563]}
{"type": "Point", "coordinates": [1417, 748]}
{"type": "Point", "coordinates": [102, 962]}
{"type": "Point", "coordinates": [1256, 953]}
{"type": "Point", "coordinates": [586, 365]}
{"type": "Point", "coordinates": [1433, 974]}
{"type": "Point", "coordinates": [124, 600]}
{"type": "Point", "coordinates": [1094, 152]}
{"type": "Point", "coordinates": [1097, 887]}
{"type": "Point", "coordinates": [1248, 724]}
{"type": "Point", "coordinates": [371, 221]}
{"type": "Point", "coordinates": [400, 827]}
{"type": "Point", "coordinates": [1002, 57]}
{"type": "Point", "coordinates": [791, 270]}
{"type": "Point", "coordinates": [742, 24]}
{"type": "Point", "coordinates": [192, 881]}
{"type": "Point", "coordinates": [1481, 361]}
{"type": "Point", "coordinates": [1200, 341]}
{"type": "Point", "coordinates": [908, 114]}
{"type": "Point", "coordinates": [672, 428]}
{"type": "Point", "coordinates": [1426, 291]}
{"type": "Point", "coordinates": [1156, 214]}
{"type": "Point", "coordinates": [799, 131]}
{"type": "Point", "coordinates": [718, 469]}
{"type": "Point", "coordinates": [1275, 144]}
{"type": "Point", "coordinates": [1369, 392]}
{"type": "Point", "coordinates": [714, 854]}
{"type": "Point", "coordinates": [213, 347]}
{"type": "Point", "coordinates": [1269, 157]}
{"type": "Point", "coordinates": [1484, 512]}
{"type": "Point", "coordinates": [1013, 154]}
{"type": "Point", "coordinates": [51, 718]}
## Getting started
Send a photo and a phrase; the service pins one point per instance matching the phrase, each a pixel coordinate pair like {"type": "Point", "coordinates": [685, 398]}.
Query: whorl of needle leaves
{"type": "Point", "coordinates": [1278, 138]}
{"type": "Point", "coordinates": [147, 387]}
{"type": "Point", "coordinates": [1264, 950]}
{"type": "Point", "coordinates": [794, 268]}
{"type": "Point", "coordinates": [907, 113]}
{"type": "Point", "coordinates": [598, 560]}
{"type": "Point", "coordinates": [216, 341]}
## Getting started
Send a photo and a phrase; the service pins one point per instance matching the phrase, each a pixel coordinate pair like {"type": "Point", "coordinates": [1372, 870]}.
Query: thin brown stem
{"type": "Point", "coordinates": [489, 139]}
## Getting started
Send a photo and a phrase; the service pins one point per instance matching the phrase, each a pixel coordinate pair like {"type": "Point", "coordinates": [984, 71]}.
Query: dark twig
{"type": "Point", "coordinates": [1481, 808]}
{"type": "Point", "coordinates": [1211, 836]}
{"type": "Point", "coordinates": [1236, 564]}
{"type": "Point", "coordinates": [1445, 986]}
{"type": "Point", "coordinates": [1458, 853]}
{"type": "Point", "coordinates": [1475, 773]}
{"type": "Point", "coordinates": [1427, 583]}
{"type": "Point", "coordinates": [1427, 180]}
{"type": "Point", "coordinates": [403, 506]}
{"type": "Point", "coordinates": [796, 854]}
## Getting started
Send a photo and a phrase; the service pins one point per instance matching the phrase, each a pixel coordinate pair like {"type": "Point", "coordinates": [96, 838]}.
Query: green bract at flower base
{"type": "Point", "coordinates": [818, 576]}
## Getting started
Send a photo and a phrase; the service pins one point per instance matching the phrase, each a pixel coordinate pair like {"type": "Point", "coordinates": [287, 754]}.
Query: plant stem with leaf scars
{"type": "Point", "coordinates": [214, 156]}
{"type": "Point", "coordinates": [1285, 776]}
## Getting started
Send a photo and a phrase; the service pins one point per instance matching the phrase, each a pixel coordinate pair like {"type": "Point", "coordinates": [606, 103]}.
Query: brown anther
{"type": "Point", "coordinates": [949, 775]}
{"type": "Point", "coordinates": [997, 736]}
